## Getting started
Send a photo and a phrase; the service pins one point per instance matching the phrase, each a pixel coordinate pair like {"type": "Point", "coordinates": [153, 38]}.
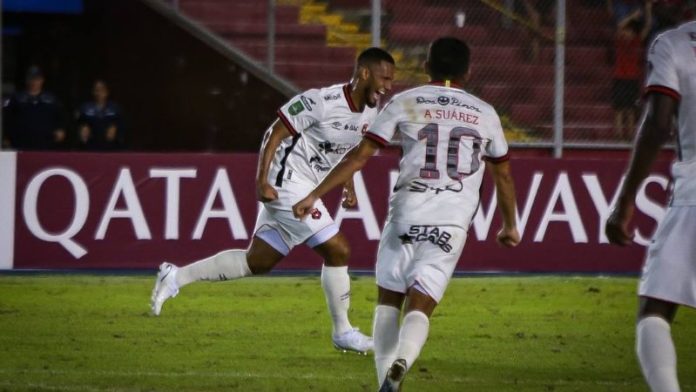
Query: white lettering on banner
{"type": "Point", "coordinates": [649, 207]}
{"type": "Point", "coordinates": [81, 208]}
{"type": "Point", "coordinates": [600, 202]}
{"type": "Point", "coordinates": [134, 211]}
{"type": "Point", "coordinates": [570, 213]}
{"type": "Point", "coordinates": [173, 178]}
{"type": "Point", "coordinates": [230, 211]}
{"type": "Point", "coordinates": [482, 220]}
{"type": "Point", "coordinates": [8, 182]}
{"type": "Point", "coordinates": [363, 211]}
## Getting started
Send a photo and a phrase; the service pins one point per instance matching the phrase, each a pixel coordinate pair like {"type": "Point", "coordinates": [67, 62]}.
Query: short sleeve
{"type": "Point", "coordinates": [383, 128]}
{"type": "Point", "coordinates": [662, 72]}
{"type": "Point", "coordinates": [302, 111]}
{"type": "Point", "coordinates": [497, 149]}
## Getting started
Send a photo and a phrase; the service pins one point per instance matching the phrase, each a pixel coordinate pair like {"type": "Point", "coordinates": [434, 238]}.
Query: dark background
{"type": "Point", "coordinates": [177, 93]}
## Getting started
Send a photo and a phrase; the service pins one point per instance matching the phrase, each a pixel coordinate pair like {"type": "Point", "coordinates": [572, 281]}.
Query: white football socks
{"type": "Point", "coordinates": [412, 336]}
{"type": "Point", "coordinates": [226, 265]}
{"type": "Point", "coordinates": [656, 354]}
{"type": "Point", "coordinates": [385, 332]}
{"type": "Point", "coordinates": [336, 284]}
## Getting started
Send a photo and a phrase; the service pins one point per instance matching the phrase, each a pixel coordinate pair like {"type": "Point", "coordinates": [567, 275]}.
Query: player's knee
{"type": "Point", "coordinates": [339, 254]}
{"type": "Point", "coordinates": [258, 266]}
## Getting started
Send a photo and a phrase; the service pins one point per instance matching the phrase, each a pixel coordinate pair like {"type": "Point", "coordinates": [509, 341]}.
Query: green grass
{"type": "Point", "coordinates": [94, 333]}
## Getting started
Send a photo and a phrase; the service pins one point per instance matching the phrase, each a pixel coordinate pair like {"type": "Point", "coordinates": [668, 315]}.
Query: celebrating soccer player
{"type": "Point", "coordinates": [669, 275]}
{"type": "Point", "coordinates": [447, 136]}
{"type": "Point", "coordinates": [313, 132]}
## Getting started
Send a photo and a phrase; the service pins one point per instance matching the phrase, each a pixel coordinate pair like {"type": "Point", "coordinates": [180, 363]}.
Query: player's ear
{"type": "Point", "coordinates": [364, 72]}
{"type": "Point", "coordinates": [426, 67]}
{"type": "Point", "coordinates": [467, 75]}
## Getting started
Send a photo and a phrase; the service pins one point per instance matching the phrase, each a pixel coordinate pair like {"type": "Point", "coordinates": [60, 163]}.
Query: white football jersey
{"type": "Point", "coordinates": [325, 124]}
{"type": "Point", "coordinates": [445, 133]}
{"type": "Point", "coordinates": [672, 71]}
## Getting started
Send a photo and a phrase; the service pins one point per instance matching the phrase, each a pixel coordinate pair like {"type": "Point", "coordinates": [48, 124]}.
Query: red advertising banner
{"type": "Point", "coordinates": [82, 210]}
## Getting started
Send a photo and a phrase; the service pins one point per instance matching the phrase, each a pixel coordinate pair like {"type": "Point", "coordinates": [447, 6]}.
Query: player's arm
{"type": "Point", "coordinates": [654, 130]}
{"type": "Point", "coordinates": [505, 189]}
{"type": "Point", "coordinates": [271, 140]}
{"type": "Point", "coordinates": [352, 162]}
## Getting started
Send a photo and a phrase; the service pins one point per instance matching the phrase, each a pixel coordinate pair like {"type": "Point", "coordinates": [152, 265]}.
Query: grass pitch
{"type": "Point", "coordinates": [94, 333]}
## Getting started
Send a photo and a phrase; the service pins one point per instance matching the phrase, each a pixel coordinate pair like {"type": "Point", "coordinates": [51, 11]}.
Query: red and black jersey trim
{"type": "Point", "coordinates": [376, 138]}
{"type": "Point", "coordinates": [349, 99]}
{"type": "Point", "coordinates": [662, 90]}
{"type": "Point", "coordinates": [287, 124]}
{"type": "Point", "coordinates": [502, 159]}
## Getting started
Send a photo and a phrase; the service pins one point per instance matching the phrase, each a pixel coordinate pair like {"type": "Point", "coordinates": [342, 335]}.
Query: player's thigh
{"type": "Point", "coordinates": [335, 251]}
{"type": "Point", "coordinates": [262, 256]}
{"type": "Point", "coordinates": [394, 255]}
{"type": "Point", "coordinates": [435, 258]}
{"type": "Point", "coordinates": [670, 268]}
{"type": "Point", "coordinates": [390, 298]}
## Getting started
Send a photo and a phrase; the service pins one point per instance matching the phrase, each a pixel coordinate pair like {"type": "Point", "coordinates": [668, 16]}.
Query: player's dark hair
{"type": "Point", "coordinates": [371, 56]}
{"type": "Point", "coordinates": [635, 26]}
{"type": "Point", "coordinates": [448, 58]}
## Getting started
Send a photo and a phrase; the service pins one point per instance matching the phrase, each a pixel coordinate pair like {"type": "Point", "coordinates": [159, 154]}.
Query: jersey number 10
{"type": "Point", "coordinates": [431, 134]}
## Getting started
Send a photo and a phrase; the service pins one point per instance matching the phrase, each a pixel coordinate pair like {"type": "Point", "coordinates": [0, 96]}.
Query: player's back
{"type": "Point", "coordinates": [672, 67]}
{"type": "Point", "coordinates": [444, 132]}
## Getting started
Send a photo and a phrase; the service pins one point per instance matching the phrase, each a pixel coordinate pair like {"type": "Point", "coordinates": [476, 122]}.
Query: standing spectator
{"type": "Point", "coordinates": [630, 40]}
{"type": "Point", "coordinates": [620, 9]}
{"type": "Point", "coordinates": [539, 13]}
{"type": "Point", "coordinates": [99, 122]}
{"type": "Point", "coordinates": [34, 118]}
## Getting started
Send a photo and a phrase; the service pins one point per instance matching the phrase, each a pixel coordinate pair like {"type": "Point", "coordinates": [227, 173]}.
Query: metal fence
{"type": "Point", "coordinates": [561, 73]}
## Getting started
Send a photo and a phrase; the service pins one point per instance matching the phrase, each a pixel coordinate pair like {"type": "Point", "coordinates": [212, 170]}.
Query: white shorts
{"type": "Point", "coordinates": [669, 273]}
{"type": "Point", "coordinates": [281, 230]}
{"type": "Point", "coordinates": [418, 255]}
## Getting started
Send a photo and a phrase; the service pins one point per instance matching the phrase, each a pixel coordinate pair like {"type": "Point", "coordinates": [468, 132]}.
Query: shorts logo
{"type": "Point", "coordinates": [316, 214]}
{"type": "Point", "coordinates": [296, 108]}
{"type": "Point", "coordinates": [432, 234]}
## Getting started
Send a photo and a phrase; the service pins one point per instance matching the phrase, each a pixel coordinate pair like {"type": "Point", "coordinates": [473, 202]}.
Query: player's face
{"type": "Point", "coordinates": [379, 82]}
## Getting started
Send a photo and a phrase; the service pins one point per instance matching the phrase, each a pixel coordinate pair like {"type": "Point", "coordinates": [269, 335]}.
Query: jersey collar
{"type": "Point", "coordinates": [346, 91]}
{"type": "Point", "coordinates": [443, 84]}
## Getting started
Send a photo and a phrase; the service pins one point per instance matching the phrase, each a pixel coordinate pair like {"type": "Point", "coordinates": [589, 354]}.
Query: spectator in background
{"type": "Point", "coordinates": [34, 118]}
{"type": "Point", "coordinates": [99, 122]}
{"type": "Point", "coordinates": [630, 39]}
{"type": "Point", "coordinates": [539, 13]}
{"type": "Point", "coordinates": [621, 9]}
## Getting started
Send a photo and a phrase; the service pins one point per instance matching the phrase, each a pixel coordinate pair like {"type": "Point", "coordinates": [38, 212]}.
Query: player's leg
{"type": "Point", "coordinates": [385, 329]}
{"type": "Point", "coordinates": [654, 345]}
{"type": "Point", "coordinates": [226, 265]}
{"type": "Point", "coordinates": [413, 333]}
{"type": "Point", "coordinates": [333, 247]}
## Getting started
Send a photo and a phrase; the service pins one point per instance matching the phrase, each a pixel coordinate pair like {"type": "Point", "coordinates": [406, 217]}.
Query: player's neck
{"type": "Point", "coordinates": [355, 95]}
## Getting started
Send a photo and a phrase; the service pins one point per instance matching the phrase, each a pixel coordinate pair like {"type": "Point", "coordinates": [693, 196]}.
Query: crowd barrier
{"type": "Point", "coordinates": [132, 211]}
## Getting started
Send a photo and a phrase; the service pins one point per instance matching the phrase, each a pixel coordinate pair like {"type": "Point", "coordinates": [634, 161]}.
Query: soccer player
{"type": "Point", "coordinates": [447, 136]}
{"type": "Point", "coordinates": [313, 132]}
{"type": "Point", "coordinates": [669, 274]}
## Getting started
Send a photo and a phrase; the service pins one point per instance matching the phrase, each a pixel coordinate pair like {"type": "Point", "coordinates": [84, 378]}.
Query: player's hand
{"type": "Point", "coordinates": [349, 198]}
{"type": "Point", "coordinates": [508, 237]}
{"type": "Point", "coordinates": [265, 192]}
{"type": "Point", "coordinates": [303, 207]}
{"type": "Point", "coordinates": [616, 227]}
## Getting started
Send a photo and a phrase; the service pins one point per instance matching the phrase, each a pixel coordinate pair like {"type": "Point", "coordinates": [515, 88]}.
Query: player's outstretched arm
{"type": "Point", "coordinates": [505, 188]}
{"type": "Point", "coordinates": [271, 140]}
{"type": "Point", "coordinates": [352, 162]}
{"type": "Point", "coordinates": [654, 130]}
